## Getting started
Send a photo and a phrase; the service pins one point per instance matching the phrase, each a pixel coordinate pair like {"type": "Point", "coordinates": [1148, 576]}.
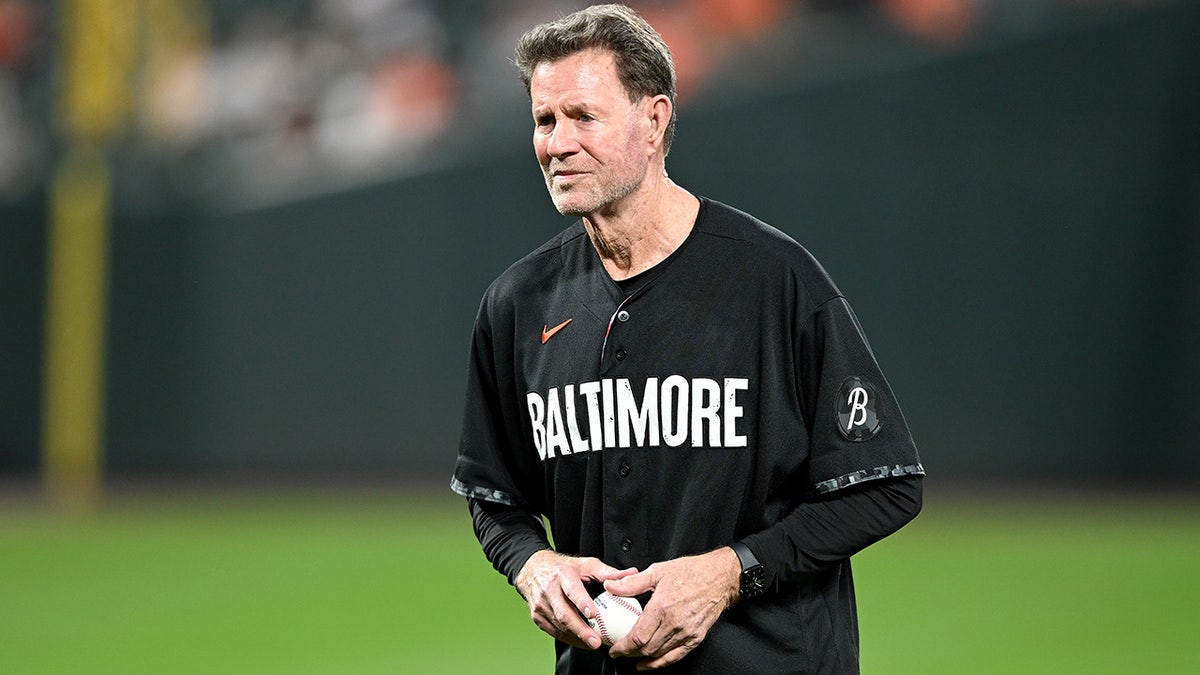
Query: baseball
{"type": "Point", "coordinates": [615, 615]}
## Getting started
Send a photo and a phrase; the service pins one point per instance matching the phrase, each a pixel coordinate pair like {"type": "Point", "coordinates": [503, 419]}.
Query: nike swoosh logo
{"type": "Point", "coordinates": [547, 334]}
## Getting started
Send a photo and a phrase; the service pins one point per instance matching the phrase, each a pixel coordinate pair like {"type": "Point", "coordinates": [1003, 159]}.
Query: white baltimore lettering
{"type": "Point", "coordinates": [706, 406]}
{"type": "Point", "coordinates": [670, 413]}
{"type": "Point", "coordinates": [733, 411]}
{"type": "Point", "coordinates": [556, 434]}
{"type": "Point", "coordinates": [643, 421]}
{"type": "Point", "coordinates": [590, 391]}
{"type": "Point", "coordinates": [578, 443]}
{"type": "Point", "coordinates": [537, 419]}
{"type": "Point", "coordinates": [675, 418]}
{"type": "Point", "coordinates": [610, 414]}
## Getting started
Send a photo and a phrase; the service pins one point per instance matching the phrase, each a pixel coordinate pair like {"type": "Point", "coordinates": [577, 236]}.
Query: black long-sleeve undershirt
{"type": "Point", "coordinates": [816, 536]}
{"type": "Point", "coordinates": [509, 535]}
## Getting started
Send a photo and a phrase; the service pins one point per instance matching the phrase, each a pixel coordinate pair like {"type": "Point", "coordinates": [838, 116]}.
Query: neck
{"type": "Point", "coordinates": [642, 230]}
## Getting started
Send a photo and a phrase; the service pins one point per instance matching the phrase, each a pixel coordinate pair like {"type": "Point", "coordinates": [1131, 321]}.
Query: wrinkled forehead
{"type": "Point", "coordinates": [590, 73]}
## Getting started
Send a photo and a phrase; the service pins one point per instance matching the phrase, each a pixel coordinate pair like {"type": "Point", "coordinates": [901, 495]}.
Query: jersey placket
{"type": "Point", "coordinates": [622, 315]}
{"type": "Point", "coordinates": [624, 512]}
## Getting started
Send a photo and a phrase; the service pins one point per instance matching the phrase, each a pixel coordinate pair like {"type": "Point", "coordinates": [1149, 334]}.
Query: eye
{"type": "Point", "coordinates": [543, 121]}
{"type": "Point", "coordinates": [584, 117]}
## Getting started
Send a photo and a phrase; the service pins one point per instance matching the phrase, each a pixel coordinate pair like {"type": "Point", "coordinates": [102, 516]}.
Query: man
{"type": "Point", "coordinates": [679, 389]}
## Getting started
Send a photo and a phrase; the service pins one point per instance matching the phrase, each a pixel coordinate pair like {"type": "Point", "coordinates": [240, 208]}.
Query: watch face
{"type": "Point", "coordinates": [752, 581]}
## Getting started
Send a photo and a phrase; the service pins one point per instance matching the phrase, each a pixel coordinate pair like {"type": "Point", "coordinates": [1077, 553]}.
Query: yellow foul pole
{"type": "Point", "coordinates": [98, 47]}
{"type": "Point", "coordinates": [76, 305]}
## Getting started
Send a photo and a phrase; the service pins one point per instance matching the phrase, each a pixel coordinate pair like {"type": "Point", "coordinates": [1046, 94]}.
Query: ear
{"type": "Point", "coordinates": [658, 114]}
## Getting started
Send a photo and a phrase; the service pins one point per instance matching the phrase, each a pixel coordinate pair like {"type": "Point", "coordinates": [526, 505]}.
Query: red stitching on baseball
{"type": "Point", "coordinates": [624, 602]}
{"type": "Point", "coordinates": [601, 628]}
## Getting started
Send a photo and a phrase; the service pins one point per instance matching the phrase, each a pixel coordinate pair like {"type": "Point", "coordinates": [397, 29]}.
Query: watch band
{"type": "Point", "coordinates": [753, 579]}
{"type": "Point", "coordinates": [745, 555]}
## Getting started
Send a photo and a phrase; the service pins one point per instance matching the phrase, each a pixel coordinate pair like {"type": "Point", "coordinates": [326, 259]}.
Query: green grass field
{"type": "Point", "coordinates": [393, 581]}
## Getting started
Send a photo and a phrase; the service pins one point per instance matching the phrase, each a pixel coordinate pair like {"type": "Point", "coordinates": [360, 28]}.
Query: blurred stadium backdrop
{"type": "Point", "coordinates": [242, 244]}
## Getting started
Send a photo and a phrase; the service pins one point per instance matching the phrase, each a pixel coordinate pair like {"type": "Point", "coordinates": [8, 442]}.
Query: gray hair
{"type": "Point", "coordinates": [644, 63]}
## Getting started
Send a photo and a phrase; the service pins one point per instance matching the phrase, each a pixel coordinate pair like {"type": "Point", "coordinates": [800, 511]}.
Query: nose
{"type": "Point", "coordinates": [562, 141]}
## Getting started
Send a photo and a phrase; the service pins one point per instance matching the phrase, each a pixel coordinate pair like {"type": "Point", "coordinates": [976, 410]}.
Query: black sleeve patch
{"type": "Point", "coordinates": [858, 417]}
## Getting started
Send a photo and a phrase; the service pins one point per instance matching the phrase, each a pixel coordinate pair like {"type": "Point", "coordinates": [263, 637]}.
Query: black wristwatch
{"type": "Point", "coordinates": [754, 574]}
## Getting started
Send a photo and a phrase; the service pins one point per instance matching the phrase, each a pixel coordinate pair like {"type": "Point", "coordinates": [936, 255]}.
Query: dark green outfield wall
{"type": "Point", "coordinates": [22, 251]}
{"type": "Point", "coordinates": [1018, 229]}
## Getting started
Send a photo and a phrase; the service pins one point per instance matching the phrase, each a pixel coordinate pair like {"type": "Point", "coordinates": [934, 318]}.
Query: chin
{"type": "Point", "coordinates": [569, 207]}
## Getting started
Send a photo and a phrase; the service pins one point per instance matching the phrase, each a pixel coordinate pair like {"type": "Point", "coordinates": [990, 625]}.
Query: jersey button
{"type": "Point", "coordinates": [621, 354]}
{"type": "Point", "coordinates": [623, 470]}
{"type": "Point", "coordinates": [626, 545]}
{"type": "Point", "coordinates": [622, 316]}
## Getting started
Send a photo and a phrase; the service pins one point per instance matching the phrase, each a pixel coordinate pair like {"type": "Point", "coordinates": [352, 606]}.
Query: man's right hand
{"type": "Point", "coordinates": [553, 585]}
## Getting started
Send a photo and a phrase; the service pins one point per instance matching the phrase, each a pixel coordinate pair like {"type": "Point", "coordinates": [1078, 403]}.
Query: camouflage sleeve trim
{"type": "Point", "coordinates": [827, 486]}
{"type": "Point", "coordinates": [484, 494]}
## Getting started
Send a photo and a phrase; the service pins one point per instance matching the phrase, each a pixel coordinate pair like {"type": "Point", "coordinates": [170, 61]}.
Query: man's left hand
{"type": "Point", "coordinates": [689, 595]}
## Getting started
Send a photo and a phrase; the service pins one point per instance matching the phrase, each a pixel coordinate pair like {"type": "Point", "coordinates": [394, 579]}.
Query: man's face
{"type": "Point", "coordinates": [590, 139]}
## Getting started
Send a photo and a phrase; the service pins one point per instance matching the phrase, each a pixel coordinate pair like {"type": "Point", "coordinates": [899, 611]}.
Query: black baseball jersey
{"type": "Point", "coordinates": [691, 407]}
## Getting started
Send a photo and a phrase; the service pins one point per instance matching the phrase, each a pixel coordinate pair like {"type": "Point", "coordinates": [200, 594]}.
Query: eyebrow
{"type": "Point", "coordinates": [570, 109]}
